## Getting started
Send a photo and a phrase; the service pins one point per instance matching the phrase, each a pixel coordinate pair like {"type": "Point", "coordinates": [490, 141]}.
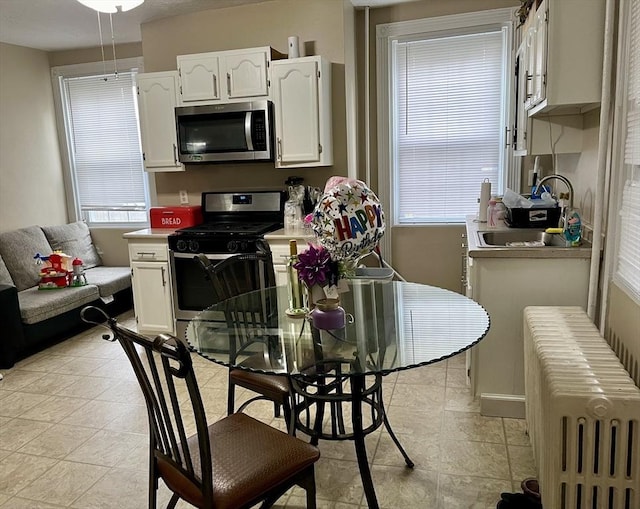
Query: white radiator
{"type": "Point", "coordinates": [583, 413]}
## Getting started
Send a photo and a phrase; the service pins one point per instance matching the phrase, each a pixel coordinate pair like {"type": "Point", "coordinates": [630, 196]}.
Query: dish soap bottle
{"type": "Point", "coordinates": [296, 302]}
{"type": "Point", "coordinates": [572, 227]}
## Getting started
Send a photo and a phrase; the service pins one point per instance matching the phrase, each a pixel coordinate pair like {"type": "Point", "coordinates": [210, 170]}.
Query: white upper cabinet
{"type": "Point", "coordinates": [199, 77]}
{"type": "Point", "coordinates": [560, 134]}
{"type": "Point", "coordinates": [225, 76]}
{"type": "Point", "coordinates": [301, 93]}
{"type": "Point", "coordinates": [247, 74]}
{"type": "Point", "coordinates": [539, 70]}
{"type": "Point", "coordinates": [568, 52]}
{"type": "Point", "coordinates": [157, 99]}
{"type": "Point", "coordinates": [521, 90]}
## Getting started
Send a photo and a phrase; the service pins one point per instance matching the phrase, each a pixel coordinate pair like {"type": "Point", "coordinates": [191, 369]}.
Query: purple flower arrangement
{"type": "Point", "coordinates": [316, 267]}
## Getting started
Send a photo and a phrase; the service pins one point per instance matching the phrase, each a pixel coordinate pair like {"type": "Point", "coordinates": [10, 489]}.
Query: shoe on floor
{"type": "Point", "coordinates": [517, 501]}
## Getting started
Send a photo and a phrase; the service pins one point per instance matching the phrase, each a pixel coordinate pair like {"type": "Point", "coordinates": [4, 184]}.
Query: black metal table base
{"type": "Point", "coordinates": [329, 388]}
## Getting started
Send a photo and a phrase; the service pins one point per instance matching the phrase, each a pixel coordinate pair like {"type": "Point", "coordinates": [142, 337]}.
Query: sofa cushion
{"type": "Point", "coordinates": [37, 305]}
{"type": "Point", "coordinates": [18, 248]}
{"type": "Point", "coordinates": [75, 240]}
{"type": "Point", "coordinates": [109, 279]}
{"type": "Point", "coordinates": [5, 277]}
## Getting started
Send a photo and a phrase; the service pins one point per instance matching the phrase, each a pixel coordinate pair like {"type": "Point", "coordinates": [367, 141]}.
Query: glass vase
{"type": "Point", "coordinates": [314, 294]}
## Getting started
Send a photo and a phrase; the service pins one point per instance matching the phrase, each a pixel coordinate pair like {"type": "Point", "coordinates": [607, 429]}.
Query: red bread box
{"type": "Point", "coordinates": [175, 217]}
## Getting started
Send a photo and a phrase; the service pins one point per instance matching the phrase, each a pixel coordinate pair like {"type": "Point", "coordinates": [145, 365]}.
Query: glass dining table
{"type": "Point", "coordinates": [337, 375]}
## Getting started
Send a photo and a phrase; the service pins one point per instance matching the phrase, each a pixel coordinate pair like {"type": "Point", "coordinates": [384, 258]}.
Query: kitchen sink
{"type": "Point", "coordinates": [520, 238]}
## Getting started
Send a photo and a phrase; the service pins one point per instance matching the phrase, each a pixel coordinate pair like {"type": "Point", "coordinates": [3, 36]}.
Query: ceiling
{"type": "Point", "coordinates": [54, 25]}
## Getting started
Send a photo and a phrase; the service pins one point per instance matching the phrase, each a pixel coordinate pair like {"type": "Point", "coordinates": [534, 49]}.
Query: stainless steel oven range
{"type": "Point", "coordinates": [233, 223]}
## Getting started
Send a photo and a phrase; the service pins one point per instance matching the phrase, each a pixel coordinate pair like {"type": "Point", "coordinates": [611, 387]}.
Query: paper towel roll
{"type": "Point", "coordinates": [485, 196]}
{"type": "Point", "coordinates": [294, 46]}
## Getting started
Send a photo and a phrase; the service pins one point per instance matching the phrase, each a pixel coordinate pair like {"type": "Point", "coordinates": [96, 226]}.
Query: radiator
{"type": "Point", "coordinates": [583, 413]}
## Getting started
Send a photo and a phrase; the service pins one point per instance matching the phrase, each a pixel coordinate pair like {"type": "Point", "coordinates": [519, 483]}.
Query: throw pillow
{"type": "Point", "coordinates": [5, 277]}
{"type": "Point", "coordinates": [18, 249]}
{"type": "Point", "coordinates": [75, 240]}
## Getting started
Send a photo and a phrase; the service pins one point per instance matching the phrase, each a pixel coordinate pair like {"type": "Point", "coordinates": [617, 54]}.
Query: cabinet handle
{"type": "Point", "coordinates": [279, 144]}
{"type": "Point", "coordinates": [215, 85]}
{"type": "Point", "coordinates": [175, 155]}
{"type": "Point", "coordinates": [146, 253]}
{"type": "Point", "coordinates": [229, 84]}
{"type": "Point", "coordinates": [164, 282]}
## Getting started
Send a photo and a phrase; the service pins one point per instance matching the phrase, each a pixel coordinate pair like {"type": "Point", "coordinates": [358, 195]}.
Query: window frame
{"type": "Point", "coordinates": [386, 35]}
{"type": "Point", "coordinates": [64, 137]}
{"type": "Point", "coordinates": [621, 172]}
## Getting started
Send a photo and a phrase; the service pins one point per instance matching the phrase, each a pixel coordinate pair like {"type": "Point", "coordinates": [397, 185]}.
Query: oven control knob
{"type": "Point", "coordinates": [194, 246]}
{"type": "Point", "coordinates": [232, 246]}
{"type": "Point", "coordinates": [244, 245]}
{"type": "Point", "coordinates": [181, 245]}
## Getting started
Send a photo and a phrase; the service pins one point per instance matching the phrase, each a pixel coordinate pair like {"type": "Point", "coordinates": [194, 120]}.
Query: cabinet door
{"type": "Point", "coordinates": [295, 93]}
{"type": "Point", "coordinates": [152, 297]}
{"type": "Point", "coordinates": [157, 98]}
{"type": "Point", "coordinates": [530, 62]}
{"type": "Point", "coordinates": [540, 60]}
{"type": "Point", "coordinates": [281, 274]}
{"type": "Point", "coordinates": [199, 77]}
{"type": "Point", "coordinates": [521, 118]}
{"type": "Point", "coordinates": [246, 74]}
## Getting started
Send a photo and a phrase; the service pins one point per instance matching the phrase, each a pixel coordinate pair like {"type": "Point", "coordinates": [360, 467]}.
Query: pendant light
{"type": "Point", "coordinates": [110, 7]}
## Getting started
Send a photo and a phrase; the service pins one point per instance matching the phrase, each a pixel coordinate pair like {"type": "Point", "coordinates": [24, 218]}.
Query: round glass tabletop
{"type": "Point", "coordinates": [389, 326]}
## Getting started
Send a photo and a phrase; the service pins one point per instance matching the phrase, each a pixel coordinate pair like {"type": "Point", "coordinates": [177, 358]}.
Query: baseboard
{"type": "Point", "coordinates": [502, 405]}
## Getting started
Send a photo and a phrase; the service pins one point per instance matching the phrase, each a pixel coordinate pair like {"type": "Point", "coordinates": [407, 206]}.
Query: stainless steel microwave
{"type": "Point", "coordinates": [218, 133]}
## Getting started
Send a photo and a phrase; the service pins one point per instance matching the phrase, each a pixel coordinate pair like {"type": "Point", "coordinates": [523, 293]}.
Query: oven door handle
{"type": "Point", "coordinates": [190, 256]}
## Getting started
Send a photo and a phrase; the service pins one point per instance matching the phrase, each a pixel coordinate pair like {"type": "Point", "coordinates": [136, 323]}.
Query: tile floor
{"type": "Point", "coordinates": [73, 433]}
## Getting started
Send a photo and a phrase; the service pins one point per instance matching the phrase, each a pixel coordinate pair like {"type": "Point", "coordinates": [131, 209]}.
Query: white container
{"type": "Point", "coordinates": [294, 46]}
{"type": "Point", "coordinates": [379, 273]}
{"type": "Point", "coordinates": [485, 196]}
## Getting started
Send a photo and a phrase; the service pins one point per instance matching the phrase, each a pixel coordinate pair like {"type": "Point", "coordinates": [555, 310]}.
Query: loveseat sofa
{"type": "Point", "coordinates": [31, 318]}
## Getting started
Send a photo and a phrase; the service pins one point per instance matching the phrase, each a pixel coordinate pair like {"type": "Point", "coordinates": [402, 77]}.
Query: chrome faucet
{"type": "Point", "coordinates": [540, 187]}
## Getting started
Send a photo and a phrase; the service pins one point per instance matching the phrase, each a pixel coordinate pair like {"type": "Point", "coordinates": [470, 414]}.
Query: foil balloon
{"type": "Point", "coordinates": [348, 220]}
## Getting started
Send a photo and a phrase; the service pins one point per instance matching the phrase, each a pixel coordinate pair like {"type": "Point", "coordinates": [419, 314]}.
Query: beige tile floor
{"type": "Point", "coordinates": [73, 433]}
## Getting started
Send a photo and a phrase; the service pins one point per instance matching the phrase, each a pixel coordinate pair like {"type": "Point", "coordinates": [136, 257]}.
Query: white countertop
{"type": "Point", "coordinates": [149, 233]}
{"type": "Point", "coordinates": [477, 251]}
{"type": "Point", "coordinates": [281, 235]}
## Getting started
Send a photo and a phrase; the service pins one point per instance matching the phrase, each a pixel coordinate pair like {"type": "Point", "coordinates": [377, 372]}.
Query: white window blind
{"type": "Point", "coordinates": [632, 145]}
{"type": "Point", "coordinates": [106, 158]}
{"type": "Point", "coordinates": [449, 96]}
{"type": "Point", "coordinates": [628, 266]}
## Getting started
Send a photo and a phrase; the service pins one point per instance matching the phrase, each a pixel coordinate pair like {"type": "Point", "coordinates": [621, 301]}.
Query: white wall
{"type": "Point", "coordinates": [31, 185]}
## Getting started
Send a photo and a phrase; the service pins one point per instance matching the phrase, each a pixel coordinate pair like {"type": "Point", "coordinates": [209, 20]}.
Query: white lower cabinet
{"type": "Point", "coordinates": [151, 281]}
{"type": "Point", "coordinates": [504, 287]}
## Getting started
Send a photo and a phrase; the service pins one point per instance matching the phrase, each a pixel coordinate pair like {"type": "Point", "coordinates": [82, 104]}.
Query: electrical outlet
{"type": "Point", "coordinates": [184, 197]}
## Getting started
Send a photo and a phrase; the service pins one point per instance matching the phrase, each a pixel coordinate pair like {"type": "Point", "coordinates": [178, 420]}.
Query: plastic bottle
{"type": "Point", "coordinates": [573, 227]}
{"type": "Point", "coordinates": [296, 302]}
{"type": "Point", "coordinates": [492, 212]}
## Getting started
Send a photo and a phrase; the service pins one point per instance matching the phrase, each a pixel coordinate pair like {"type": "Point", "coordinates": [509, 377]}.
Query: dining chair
{"type": "Point", "coordinates": [235, 462]}
{"type": "Point", "coordinates": [232, 277]}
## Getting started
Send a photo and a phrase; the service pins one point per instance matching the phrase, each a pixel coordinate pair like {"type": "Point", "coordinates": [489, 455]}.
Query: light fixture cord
{"type": "Point", "coordinates": [104, 65]}
{"type": "Point", "coordinates": [113, 46]}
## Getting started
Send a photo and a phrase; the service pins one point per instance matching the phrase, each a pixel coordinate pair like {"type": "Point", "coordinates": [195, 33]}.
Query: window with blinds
{"type": "Point", "coordinates": [104, 143]}
{"type": "Point", "coordinates": [449, 109]}
{"type": "Point", "coordinates": [628, 263]}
